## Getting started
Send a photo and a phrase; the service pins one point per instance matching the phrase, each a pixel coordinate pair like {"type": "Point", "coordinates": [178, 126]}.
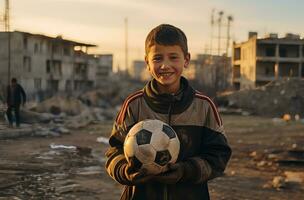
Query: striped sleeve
{"type": "Point", "coordinates": [116, 160]}
{"type": "Point", "coordinates": [213, 119]}
{"type": "Point", "coordinates": [215, 151]}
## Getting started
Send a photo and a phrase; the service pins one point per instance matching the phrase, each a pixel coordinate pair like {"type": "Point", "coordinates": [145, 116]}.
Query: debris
{"type": "Point", "coordinates": [68, 188]}
{"type": "Point", "coordinates": [286, 117]}
{"type": "Point", "coordinates": [261, 163]}
{"type": "Point", "coordinates": [275, 96]}
{"type": "Point", "coordinates": [92, 170]}
{"type": "Point", "coordinates": [60, 130]}
{"type": "Point", "coordinates": [41, 131]}
{"type": "Point", "coordinates": [55, 146]}
{"type": "Point", "coordinates": [30, 117]}
{"type": "Point", "coordinates": [278, 121]}
{"type": "Point", "coordinates": [103, 140]}
{"type": "Point", "coordinates": [272, 156]}
{"type": "Point", "coordinates": [294, 176]}
{"type": "Point", "coordinates": [58, 104]}
{"type": "Point", "coordinates": [84, 151]}
{"type": "Point", "coordinates": [253, 154]}
{"type": "Point", "coordinates": [278, 182]}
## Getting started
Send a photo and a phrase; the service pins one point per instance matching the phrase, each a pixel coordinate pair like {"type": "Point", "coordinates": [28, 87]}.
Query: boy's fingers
{"type": "Point", "coordinates": [173, 166]}
{"type": "Point", "coordinates": [143, 171]}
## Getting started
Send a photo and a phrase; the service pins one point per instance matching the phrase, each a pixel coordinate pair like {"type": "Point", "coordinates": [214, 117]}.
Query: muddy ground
{"type": "Point", "coordinates": [31, 169]}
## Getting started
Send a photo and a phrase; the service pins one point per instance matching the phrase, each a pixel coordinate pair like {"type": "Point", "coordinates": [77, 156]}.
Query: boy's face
{"type": "Point", "coordinates": [166, 64]}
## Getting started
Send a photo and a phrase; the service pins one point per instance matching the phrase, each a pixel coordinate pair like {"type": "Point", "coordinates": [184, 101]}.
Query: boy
{"type": "Point", "coordinates": [204, 151]}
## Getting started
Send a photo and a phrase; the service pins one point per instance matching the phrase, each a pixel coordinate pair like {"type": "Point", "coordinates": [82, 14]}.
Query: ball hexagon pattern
{"type": "Point", "coordinates": [153, 144]}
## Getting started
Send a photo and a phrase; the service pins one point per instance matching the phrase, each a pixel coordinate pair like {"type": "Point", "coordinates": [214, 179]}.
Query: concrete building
{"type": "Point", "coordinates": [210, 71]}
{"type": "Point", "coordinates": [104, 65]}
{"type": "Point", "coordinates": [261, 60]}
{"type": "Point", "coordinates": [139, 70]}
{"type": "Point", "coordinates": [43, 63]}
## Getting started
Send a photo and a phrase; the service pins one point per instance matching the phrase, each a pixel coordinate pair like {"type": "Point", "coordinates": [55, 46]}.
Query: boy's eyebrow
{"type": "Point", "coordinates": [160, 54]}
{"type": "Point", "coordinates": [157, 54]}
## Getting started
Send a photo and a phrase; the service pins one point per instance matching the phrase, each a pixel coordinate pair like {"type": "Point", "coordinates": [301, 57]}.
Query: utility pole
{"type": "Point", "coordinates": [7, 29]}
{"type": "Point", "coordinates": [126, 47]}
{"type": "Point", "coordinates": [219, 32]}
{"type": "Point", "coordinates": [212, 25]}
{"type": "Point", "coordinates": [230, 19]}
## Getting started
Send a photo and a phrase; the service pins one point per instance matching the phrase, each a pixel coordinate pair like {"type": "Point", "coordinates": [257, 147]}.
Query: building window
{"type": "Point", "coordinates": [56, 49]}
{"type": "Point", "coordinates": [66, 51]}
{"type": "Point", "coordinates": [54, 67]}
{"type": "Point", "coordinates": [41, 47]}
{"type": "Point", "coordinates": [37, 83]}
{"type": "Point", "coordinates": [25, 42]}
{"type": "Point", "coordinates": [27, 64]}
{"type": "Point", "coordinates": [36, 48]}
{"type": "Point", "coordinates": [283, 52]}
{"type": "Point", "coordinates": [270, 52]}
{"type": "Point", "coordinates": [48, 66]}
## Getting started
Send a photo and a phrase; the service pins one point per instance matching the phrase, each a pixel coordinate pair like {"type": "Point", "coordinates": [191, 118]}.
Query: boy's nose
{"type": "Point", "coordinates": [165, 64]}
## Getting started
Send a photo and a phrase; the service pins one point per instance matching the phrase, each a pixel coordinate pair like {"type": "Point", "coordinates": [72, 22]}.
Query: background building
{"type": "Point", "coordinates": [210, 72]}
{"type": "Point", "coordinates": [261, 60]}
{"type": "Point", "coordinates": [138, 71]}
{"type": "Point", "coordinates": [43, 63]}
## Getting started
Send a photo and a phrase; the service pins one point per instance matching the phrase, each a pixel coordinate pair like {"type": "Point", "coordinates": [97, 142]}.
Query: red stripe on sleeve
{"type": "Point", "coordinates": [122, 113]}
{"type": "Point", "coordinates": [214, 109]}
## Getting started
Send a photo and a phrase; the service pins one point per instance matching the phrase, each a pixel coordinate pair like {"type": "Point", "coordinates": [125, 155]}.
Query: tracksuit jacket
{"type": "Point", "coordinates": [195, 119]}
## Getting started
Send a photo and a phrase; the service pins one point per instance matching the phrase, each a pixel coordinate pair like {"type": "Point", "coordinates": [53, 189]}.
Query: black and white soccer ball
{"type": "Point", "coordinates": [152, 144]}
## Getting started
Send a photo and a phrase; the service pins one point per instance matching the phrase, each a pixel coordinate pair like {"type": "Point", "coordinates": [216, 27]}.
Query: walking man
{"type": "Point", "coordinates": [15, 96]}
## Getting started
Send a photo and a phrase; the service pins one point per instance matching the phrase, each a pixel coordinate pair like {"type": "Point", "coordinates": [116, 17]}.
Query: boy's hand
{"type": "Point", "coordinates": [136, 176]}
{"type": "Point", "coordinates": [173, 175]}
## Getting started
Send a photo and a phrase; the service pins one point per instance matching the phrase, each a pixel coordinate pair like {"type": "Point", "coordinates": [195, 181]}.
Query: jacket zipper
{"type": "Point", "coordinates": [165, 197]}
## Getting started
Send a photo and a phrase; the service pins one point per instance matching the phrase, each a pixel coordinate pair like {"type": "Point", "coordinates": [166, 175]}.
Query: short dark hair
{"type": "Point", "coordinates": [166, 34]}
{"type": "Point", "coordinates": [14, 80]}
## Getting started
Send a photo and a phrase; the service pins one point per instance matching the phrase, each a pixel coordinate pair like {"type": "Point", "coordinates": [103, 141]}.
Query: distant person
{"type": "Point", "coordinates": [15, 97]}
{"type": "Point", "coordinates": [204, 151]}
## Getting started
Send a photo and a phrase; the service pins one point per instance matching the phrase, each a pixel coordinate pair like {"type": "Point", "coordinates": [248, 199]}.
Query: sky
{"type": "Point", "coordinates": [102, 22]}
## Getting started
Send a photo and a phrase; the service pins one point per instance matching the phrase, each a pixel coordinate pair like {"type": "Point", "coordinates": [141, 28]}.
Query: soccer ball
{"type": "Point", "coordinates": [152, 144]}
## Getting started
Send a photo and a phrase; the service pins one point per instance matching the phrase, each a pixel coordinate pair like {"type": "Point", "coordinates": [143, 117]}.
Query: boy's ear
{"type": "Point", "coordinates": [147, 62]}
{"type": "Point", "coordinates": [187, 60]}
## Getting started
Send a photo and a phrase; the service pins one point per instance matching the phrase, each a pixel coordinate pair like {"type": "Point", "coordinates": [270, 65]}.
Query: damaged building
{"type": "Point", "coordinates": [259, 61]}
{"type": "Point", "coordinates": [211, 71]}
{"type": "Point", "coordinates": [50, 64]}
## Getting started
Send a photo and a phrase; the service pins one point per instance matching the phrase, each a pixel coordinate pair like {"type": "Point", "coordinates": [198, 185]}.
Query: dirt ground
{"type": "Point", "coordinates": [31, 169]}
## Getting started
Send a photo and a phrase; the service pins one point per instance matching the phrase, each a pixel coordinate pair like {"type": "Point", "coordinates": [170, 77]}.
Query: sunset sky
{"type": "Point", "coordinates": [101, 22]}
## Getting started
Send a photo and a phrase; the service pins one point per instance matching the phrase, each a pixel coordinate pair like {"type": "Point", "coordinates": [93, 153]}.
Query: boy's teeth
{"type": "Point", "coordinates": [165, 74]}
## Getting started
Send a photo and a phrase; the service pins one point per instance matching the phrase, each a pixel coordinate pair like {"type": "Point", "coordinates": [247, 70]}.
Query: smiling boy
{"type": "Point", "coordinates": [204, 151]}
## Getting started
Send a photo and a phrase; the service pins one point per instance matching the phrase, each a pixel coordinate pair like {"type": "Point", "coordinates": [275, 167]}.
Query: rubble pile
{"type": "Point", "coordinates": [59, 104]}
{"type": "Point", "coordinates": [286, 164]}
{"type": "Point", "coordinates": [113, 95]}
{"type": "Point", "coordinates": [61, 113]}
{"type": "Point", "coordinates": [273, 100]}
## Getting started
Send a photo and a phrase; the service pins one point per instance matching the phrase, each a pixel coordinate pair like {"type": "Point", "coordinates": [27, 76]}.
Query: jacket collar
{"type": "Point", "coordinates": [165, 103]}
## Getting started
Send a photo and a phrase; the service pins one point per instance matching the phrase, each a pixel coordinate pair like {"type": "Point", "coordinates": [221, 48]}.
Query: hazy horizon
{"type": "Point", "coordinates": [101, 22]}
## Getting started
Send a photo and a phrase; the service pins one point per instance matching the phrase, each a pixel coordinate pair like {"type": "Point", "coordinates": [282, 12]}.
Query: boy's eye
{"type": "Point", "coordinates": [157, 58]}
{"type": "Point", "coordinates": [174, 57]}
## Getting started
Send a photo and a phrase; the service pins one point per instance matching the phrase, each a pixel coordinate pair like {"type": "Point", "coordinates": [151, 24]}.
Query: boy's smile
{"type": "Point", "coordinates": [165, 64]}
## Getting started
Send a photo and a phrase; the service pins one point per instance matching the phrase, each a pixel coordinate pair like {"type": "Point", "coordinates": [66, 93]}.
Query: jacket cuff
{"type": "Point", "coordinates": [196, 170]}
{"type": "Point", "coordinates": [116, 169]}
